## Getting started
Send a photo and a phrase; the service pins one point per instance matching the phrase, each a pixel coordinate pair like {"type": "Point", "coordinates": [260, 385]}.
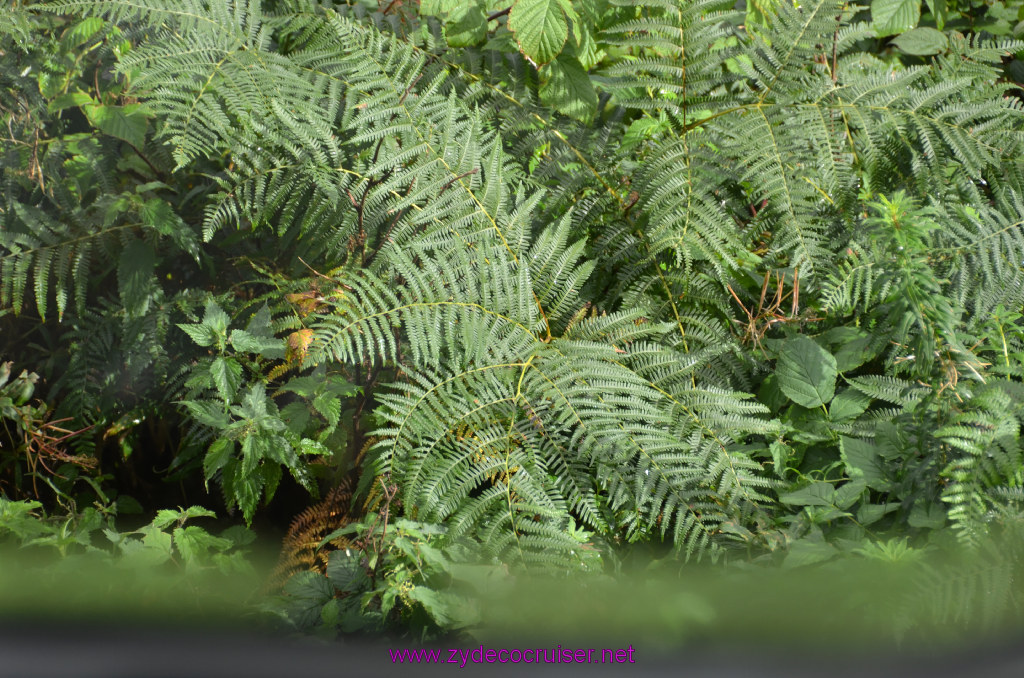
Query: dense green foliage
{"type": "Point", "coordinates": [580, 280]}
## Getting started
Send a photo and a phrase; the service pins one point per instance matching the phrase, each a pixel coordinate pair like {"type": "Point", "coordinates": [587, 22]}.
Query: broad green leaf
{"type": "Point", "coordinates": [227, 377]}
{"type": "Point", "coordinates": [343, 568]}
{"type": "Point", "coordinates": [69, 100]}
{"type": "Point", "coordinates": [432, 601]}
{"type": "Point", "coordinates": [208, 413]}
{"type": "Point", "coordinates": [297, 415]}
{"type": "Point", "coordinates": [849, 493]}
{"type": "Point", "coordinates": [465, 26]}
{"type": "Point", "coordinates": [329, 407]}
{"type": "Point", "coordinates": [922, 42]}
{"type": "Point", "coordinates": [217, 456]}
{"type": "Point", "coordinates": [872, 513]}
{"type": "Point", "coordinates": [848, 404]}
{"type": "Point", "coordinates": [927, 515]}
{"type": "Point", "coordinates": [890, 17]}
{"type": "Point", "coordinates": [135, 276]}
{"type": "Point", "coordinates": [215, 317]}
{"type": "Point", "coordinates": [238, 535]}
{"type": "Point", "coordinates": [771, 395]}
{"type": "Point", "coordinates": [154, 549]}
{"type": "Point", "coordinates": [540, 29]}
{"type": "Point", "coordinates": [194, 543]}
{"type": "Point", "coordinates": [852, 347]}
{"type": "Point", "coordinates": [17, 517]}
{"type": "Point", "coordinates": [165, 517]}
{"type": "Point", "coordinates": [781, 454]}
{"type": "Point", "coordinates": [568, 88]}
{"type": "Point", "coordinates": [307, 446]}
{"type": "Point", "coordinates": [816, 494]}
{"type": "Point", "coordinates": [806, 372]}
{"type": "Point", "coordinates": [127, 123]}
{"type": "Point", "coordinates": [261, 323]}
{"type": "Point", "coordinates": [248, 343]}
{"type": "Point", "coordinates": [254, 449]}
{"type": "Point", "coordinates": [200, 333]}
{"type": "Point", "coordinates": [588, 51]}
{"type": "Point", "coordinates": [642, 129]}
{"type": "Point", "coordinates": [439, 7]}
{"type": "Point", "coordinates": [939, 11]}
{"type": "Point", "coordinates": [808, 551]}
{"type": "Point", "coordinates": [246, 488]}
{"type": "Point", "coordinates": [864, 461]}
{"type": "Point", "coordinates": [303, 386]}
{"type": "Point", "coordinates": [160, 216]}
{"type": "Point", "coordinates": [271, 479]}
{"type": "Point", "coordinates": [81, 31]}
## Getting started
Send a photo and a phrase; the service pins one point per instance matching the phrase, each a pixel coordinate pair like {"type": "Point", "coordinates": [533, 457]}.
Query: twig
{"type": "Point", "coordinates": [452, 181]}
{"type": "Point", "coordinates": [500, 13]}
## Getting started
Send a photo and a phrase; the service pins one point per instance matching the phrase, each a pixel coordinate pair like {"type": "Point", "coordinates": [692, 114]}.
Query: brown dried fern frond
{"type": "Point", "coordinates": [300, 550]}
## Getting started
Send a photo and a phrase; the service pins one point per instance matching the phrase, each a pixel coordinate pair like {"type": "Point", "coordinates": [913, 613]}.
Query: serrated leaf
{"type": "Point", "coordinates": [849, 493]}
{"type": "Point", "coordinates": [568, 88]}
{"type": "Point", "coordinates": [127, 123]}
{"type": "Point", "coordinates": [81, 31]}
{"type": "Point", "coordinates": [864, 461]}
{"type": "Point", "coordinates": [161, 217]}
{"type": "Point", "coordinates": [432, 602]}
{"type": "Point", "coordinates": [872, 513]}
{"type": "Point", "coordinates": [271, 479]}
{"type": "Point", "coordinates": [847, 405]}
{"type": "Point", "coordinates": [155, 547]}
{"type": "Point", "coordinates": [890, 17]}
{"type": "Point", "coordinates": [246, 342]}
{"type": "Point", "coordinates": [939, 11]}
{"type": "Point", "coordinates": [227, 377]}
{"type": "Point", "coordinates": [194, 543]}
{"type": "Point", "coordinates": [922, 42]}
{"type": "Point", "coordinates": [307, 446]}
{"type": "Point", "coordinates": [260, 324]}
{"type": "Point", "coordinates": [246, 488]}
{"type": "Point", "coordinates": [238, 535]}
{"type": "Point", "coordinates": [806, 372]}
{"type": "Point", "coordinates": [929, 515]}
{"type": "Point", "coordinates": [816, 494]}
{"type": "Point", "coordinates": [217, 456]}
{"type": "Point", "coordinates": [208, 413]}
{"type": "Point", "coordinates": [853, 347]}
{"type": "Point", "coordinates": [69, 100]}
{"type": "Point", "coordinates": [329, 407]}
{"type": "Point", "coordinates": [540, 29]}
{"type": "Point", "coordinates": [343, 568]}
{"type": "Point", "coordinates": [807, 552]}
{"type": "Point", "coordinates": [215, 318]}
{"type": "Point", "coordinates": [135, 276]}
{"type": "Point", "coordinates": [438, 7]}
{"type": "Point", "coordinates": [465, 26]}
{"type": "Point", "coordinates": [200, 333]}
{"type": "Point", "coordinates": [303, 386]}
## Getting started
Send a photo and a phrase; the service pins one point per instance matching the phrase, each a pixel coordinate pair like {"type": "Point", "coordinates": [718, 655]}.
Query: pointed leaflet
{"type": "Point", "coordinates": [540, 28]}
{"type": "Point", "coordinates": [465, 26]}
{"type": "Point", "coordinates": [806, 372]}
{"type": "Point", "coordinates": [227, 377]}
{"type": "Point", "coordinates": [922, 42]}
{"type": "Point", "coordinates": [889, 17]}
{"type": "Point", "coordinates": [123, 122]}
{"type": "Point", "coordinates": [217, 456]}
{"type": "Point", "coordinates": [568, 89]}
